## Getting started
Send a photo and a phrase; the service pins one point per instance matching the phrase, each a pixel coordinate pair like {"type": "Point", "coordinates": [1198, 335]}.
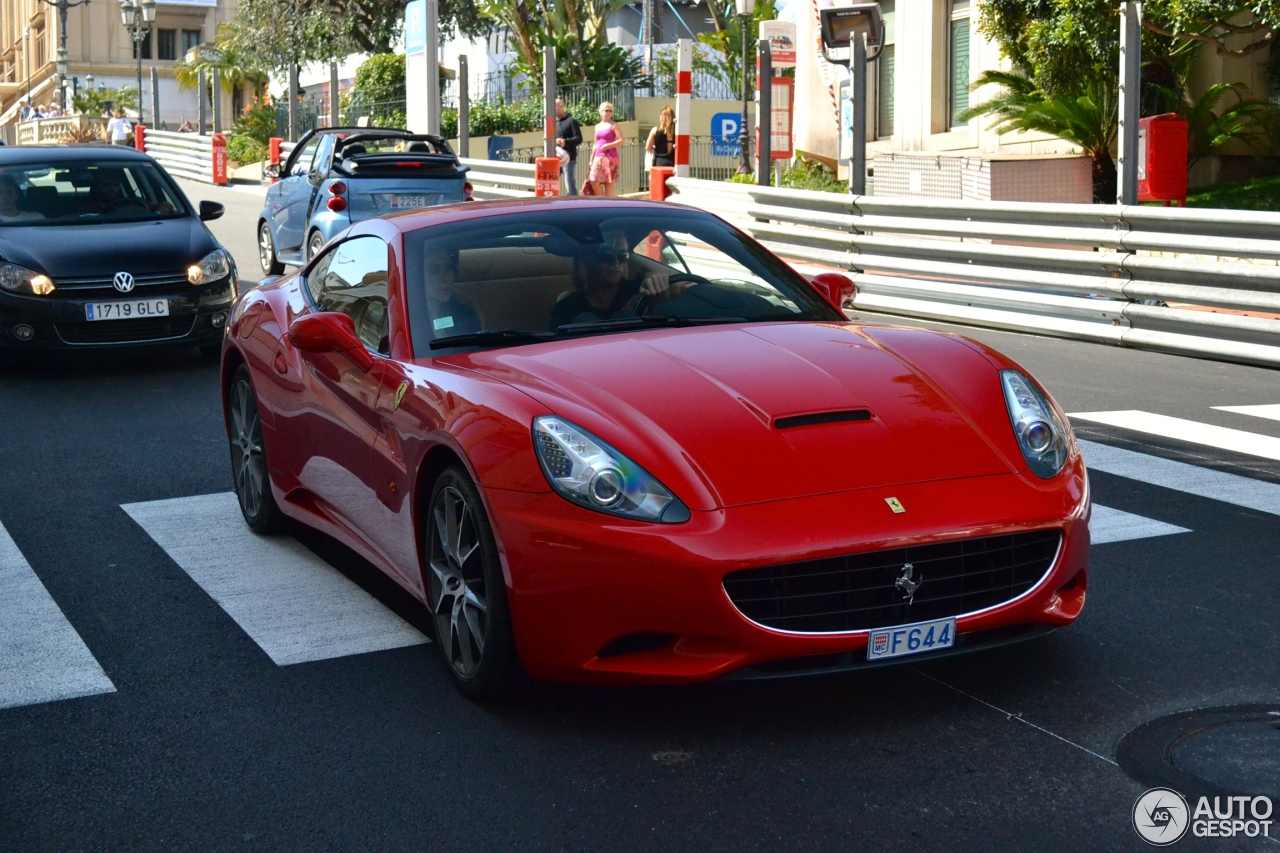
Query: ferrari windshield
{"type": "Point", "coordinates": [86, 192]}
{"type": "Point", "coordinates": [573, 271]}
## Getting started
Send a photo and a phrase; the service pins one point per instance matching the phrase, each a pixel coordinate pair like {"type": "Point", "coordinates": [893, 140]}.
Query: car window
{"type": "Point", "coordinates": [542, 271]}
{"type": "Point", "coordinates": [352, 278]}
{"type": "Point", "coordinates": [81, 193]}
{"type": "Point", "coordinates": [302, 160]}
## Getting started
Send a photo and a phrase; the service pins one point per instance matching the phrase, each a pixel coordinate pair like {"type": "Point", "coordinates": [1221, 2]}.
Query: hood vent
{"type": "Point", "coordinates": [823, 418]}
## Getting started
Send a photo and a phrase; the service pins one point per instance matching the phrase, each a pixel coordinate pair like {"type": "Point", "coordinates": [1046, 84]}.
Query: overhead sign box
{"type": "Point", "coordinates": [841, 23]}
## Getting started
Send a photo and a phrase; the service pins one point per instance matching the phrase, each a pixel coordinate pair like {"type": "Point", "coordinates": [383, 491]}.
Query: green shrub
{"type": "Point", "coordinates": [493, 118]}
{"type": "Point", "coordinates": [257, 122]}
{"type": "Point", "coordinates": [801, 175]}
{"type": "Point", "coordinates": [245, 149]}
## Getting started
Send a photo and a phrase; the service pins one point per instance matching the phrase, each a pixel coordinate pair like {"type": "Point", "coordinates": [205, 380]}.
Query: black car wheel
{"type": "Point", "coordinates": [249, 458]}
{"type": "Point", "coordinates": [314, 244]}
{"type": "Point", "coordinates": [267, 251]}
{"type": "Point", "coordinates": [468, 595]}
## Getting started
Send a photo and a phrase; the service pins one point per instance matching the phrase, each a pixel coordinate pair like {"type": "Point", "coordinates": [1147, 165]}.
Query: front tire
{"type": "Point", "coordinates": [467, 591]}
{"type": "Point", "coordinates": [248, 458]}
{"type": "Point", "coordinates": [267, 251]}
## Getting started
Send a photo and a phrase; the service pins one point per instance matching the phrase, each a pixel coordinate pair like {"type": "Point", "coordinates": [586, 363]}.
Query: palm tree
{"type": "Point", "coordinates": [227, 61]}
{"type": "Point", "coordinates": [1252, 121]}
{"type": "Point", "coordinates": [1088, 120]}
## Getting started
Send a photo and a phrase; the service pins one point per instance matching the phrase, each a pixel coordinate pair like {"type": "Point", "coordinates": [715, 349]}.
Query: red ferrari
{"type": "Point", "coordinates": [621, 441]}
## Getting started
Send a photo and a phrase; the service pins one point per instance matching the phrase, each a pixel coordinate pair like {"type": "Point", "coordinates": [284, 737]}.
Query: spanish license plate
{"type": "Point", "coordinates": [126, 310]}
{"type": "Point", "coordinates": [913, 639]}
{"type": "Point", "coordinates": [407, 202]}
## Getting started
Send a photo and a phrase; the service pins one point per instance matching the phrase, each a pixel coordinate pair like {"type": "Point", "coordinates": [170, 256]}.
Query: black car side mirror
{"type": "Point", "coordinates": [210, 210]}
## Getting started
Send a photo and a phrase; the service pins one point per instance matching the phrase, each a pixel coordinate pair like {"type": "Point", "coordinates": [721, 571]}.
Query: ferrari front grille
{"type": "Point", "coordinates": [875, 589]}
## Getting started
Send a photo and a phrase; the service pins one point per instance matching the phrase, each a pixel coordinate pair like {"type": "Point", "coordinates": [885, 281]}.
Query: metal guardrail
{"type": "Point", "coordinates": [492, 179]}
{"type": "Point", "coordinates": [1169, 279]}
{"type": "Point", "coordinates": [187, 155]}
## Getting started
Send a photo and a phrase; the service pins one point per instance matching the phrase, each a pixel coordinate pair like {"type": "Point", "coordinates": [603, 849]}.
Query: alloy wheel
{"type": "Point", "coordinates": [456, 576]}
{"type": "Point", "coordinates": [315, 244]}
{"type": "Point", "coordinates": [247, 461]}
{"type": "Point", "coordinates": [267, 250]}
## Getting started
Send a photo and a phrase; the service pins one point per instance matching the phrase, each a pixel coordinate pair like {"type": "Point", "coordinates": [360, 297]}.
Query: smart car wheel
{"type": "Point", "coordinates": [314, 244]}
{"type": "Point", "coordinates": [467, 591]}
{"type": "Point", "coordinates": [248, 458]}
{"type": "Point", "coordinates": [267, 251]}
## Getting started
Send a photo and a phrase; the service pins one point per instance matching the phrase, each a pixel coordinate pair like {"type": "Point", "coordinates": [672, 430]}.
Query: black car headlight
{"type": "Point", "coordinates": [18, 279]}
{"type": "Point", "coordinates": [590, 473]}
{"type": "Point", "coordinates": [211, 267]}
{"type": "Point", "coordinates": [1040, 432]}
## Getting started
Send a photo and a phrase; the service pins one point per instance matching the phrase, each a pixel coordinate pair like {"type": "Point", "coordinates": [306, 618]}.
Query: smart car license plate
{"type": "Point", "coordinates": [912, 639]}
{"type": "Point", "coordinates": [407, 202]}
{"type": "Point", "coordinates": [127, 309]}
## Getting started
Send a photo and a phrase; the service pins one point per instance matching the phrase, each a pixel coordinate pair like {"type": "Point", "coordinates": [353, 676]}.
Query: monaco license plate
{"type": "Point", "coordinates": [913, 639]}
{"type": "Point", "coordinates": [132, 309]}
{"type": "Point", "coordinates": [406, 202]}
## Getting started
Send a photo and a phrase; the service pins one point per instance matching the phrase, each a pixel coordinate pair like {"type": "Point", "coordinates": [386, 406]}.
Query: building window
{"type": "Point", "coordinates": [884, 73]}
{"type": "Point", "coordinates": [146, 46]}
{"type": "Point", "coordinates": [167, 44]}
{"type": "Point", "coordinates": [958, 62]}
{"type": "Point", "coordinates": [190, 39]}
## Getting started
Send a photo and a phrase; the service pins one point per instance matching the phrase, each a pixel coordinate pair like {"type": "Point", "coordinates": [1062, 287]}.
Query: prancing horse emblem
{"type": "Point", "coordinates": [404, 386]}
{"type": "Point", "coordinates": [907, 585]}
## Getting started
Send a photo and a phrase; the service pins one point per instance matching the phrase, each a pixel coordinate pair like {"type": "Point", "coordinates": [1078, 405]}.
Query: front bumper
{"type": "Point", "coordinates": [651, 596]}
{"type": "Point", "coordinates": [42, 323]}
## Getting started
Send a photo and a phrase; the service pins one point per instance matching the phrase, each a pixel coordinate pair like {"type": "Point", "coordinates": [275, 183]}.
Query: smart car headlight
{"type": "Point", "coordinates": [1040, 432]}
{"type": "Point", "coordinates": [211, 267]}
{"type": "Point", "coordinates": [18, 279]}
{"type": "Point", "coordinates": [590, 473]}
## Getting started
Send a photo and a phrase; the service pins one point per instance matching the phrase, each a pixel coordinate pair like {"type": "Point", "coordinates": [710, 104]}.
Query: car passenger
{"type": "Point", "coordinates": [608, 290]}
{"type": "Point", "coordinates": [449, 315]}
{"type": "Point", "coordinates": [10, 194]}
{"type": "Point", "coordinates": [106, 195]}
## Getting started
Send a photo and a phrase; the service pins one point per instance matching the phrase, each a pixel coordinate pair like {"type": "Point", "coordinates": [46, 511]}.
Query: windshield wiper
{"type": "Point", "coordinates": [493, 336]}
{"type": "Point", "coordinates": [643, 323]}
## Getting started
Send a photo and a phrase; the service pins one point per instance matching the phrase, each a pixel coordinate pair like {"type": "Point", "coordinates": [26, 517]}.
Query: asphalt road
{"type": "Point", "coordinates": [206, 743]}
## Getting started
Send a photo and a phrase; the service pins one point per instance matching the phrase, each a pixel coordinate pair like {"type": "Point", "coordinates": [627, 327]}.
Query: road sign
{"type": "Point", "coordinates": [415, 26]}
{"type": "Point", "coordinates": [725, 129]}
{"type": "Point", "coordinates": [782, 42]}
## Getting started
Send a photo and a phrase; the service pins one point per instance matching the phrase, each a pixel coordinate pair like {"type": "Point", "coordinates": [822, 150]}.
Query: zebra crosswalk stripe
{"type": "Point", "coordinates": [293, 604]}
{"type": "Point", "coordinates": [1194, 432]}
{"type": "Point", "coordinates": [1271, 412]}
{"type": "Point", "coordinates": [1109, 525]}
{"type": "Point", "coordinates": [42, 658]}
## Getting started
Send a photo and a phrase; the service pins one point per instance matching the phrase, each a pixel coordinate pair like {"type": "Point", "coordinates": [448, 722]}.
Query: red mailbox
{"type": "Point", "coordinates": [1162, 159]}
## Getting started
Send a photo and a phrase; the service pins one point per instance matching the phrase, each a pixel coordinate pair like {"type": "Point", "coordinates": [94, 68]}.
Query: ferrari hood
{"type": "Point", "coordinates": [749, 413]}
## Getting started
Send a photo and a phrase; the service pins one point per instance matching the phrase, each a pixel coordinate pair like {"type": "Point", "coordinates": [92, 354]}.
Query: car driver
{"type": "Point", "coordinates": [607, 293]}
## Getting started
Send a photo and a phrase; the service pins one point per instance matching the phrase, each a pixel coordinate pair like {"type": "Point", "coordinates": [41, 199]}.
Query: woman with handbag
{"type": "Point", "coordinates": [662, 139]}
{"type": "Point", "coordinates": [606, 158]}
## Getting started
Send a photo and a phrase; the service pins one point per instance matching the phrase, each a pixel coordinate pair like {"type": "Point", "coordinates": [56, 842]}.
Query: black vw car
{"type": "Point", "coordinates": [100, 248]}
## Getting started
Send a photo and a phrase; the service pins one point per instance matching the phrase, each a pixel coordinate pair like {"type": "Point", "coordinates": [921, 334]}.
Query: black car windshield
{"type": "Point", "coordinates": [532, 276]}
{"type": "Point", "coordinates": [81, 193]}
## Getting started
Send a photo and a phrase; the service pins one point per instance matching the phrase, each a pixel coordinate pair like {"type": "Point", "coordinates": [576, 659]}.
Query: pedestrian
{"type": "Point", "coordinates": [38, 112]}
{"type": "Point", "coordinates": [568, 137]}
{"type": "Point", "coordinates": [24, 110]}
{"type": "Point", "coordinates": [186, 127]}
{"type": "Point", "coordinates": [606, 159]}
{"type": "Point", "coordinates": [55, 111]}
{"type": "Point", "coordinates": [662, 139]}
{"type": "Point", "coordinates": [118, 129]}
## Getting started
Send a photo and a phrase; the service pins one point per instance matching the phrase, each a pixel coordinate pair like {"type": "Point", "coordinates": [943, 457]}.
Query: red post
{"type": "Point", "coordinates": [219, 159]}
{"type": "Point", "coordinates": [658, 190]}
{"type": "Point", "coordinates": [140, 137]}
{"type": "Point", "coordinates": [274, 149]}
{"type": "Point", "coordinates": [546, 176]}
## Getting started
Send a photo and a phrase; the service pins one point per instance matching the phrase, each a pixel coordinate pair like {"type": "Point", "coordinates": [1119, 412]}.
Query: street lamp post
{"type": "Point", "coordinates": [746, 8]}
{"type": "Point", "coordinates": [139, 26]}
{"type": "Point", "coordinates": [63, 6]}
{"type": "Point", "coordinates": [26, 57]}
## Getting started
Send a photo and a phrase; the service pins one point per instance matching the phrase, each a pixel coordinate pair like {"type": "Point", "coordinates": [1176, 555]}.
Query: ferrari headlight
{"type": "Point", "coordinates": [19, 279]}
{"type": "Point", "coordinates": [1040, 432]}
{"type": "Point", "coordinates": [585, 470]}
{"type": "Point", "coordinates": [211, 267]}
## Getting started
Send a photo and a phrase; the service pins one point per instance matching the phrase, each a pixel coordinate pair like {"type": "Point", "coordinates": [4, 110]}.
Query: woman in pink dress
{"type": "Point", "coordinates": [606, 158]}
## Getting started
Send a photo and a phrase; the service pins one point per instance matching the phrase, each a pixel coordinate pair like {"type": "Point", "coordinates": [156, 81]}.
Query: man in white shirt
{"type": "Point", "coordinates": [118, 128]}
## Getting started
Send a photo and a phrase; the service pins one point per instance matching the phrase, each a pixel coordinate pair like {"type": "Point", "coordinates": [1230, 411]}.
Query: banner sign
{"type": "Point", "coordinates": [782, 42]}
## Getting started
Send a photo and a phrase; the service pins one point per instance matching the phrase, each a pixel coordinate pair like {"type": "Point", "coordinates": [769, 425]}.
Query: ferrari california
{"type": "Point", "coordinates": [617, 440]}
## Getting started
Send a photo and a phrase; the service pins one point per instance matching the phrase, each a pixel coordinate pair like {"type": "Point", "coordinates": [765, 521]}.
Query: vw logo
{"type": "Point", "coordinates": [123, 282]}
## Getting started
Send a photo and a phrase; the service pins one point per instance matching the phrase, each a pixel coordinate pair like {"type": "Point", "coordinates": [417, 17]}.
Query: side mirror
{"type": "Point", "coordinates": [835, 288]}
{"type": "Point", "coordinates": [210, 210]}
{"type": "Point", "coordinates": [330, 331]}
{"type": "Point", "coordinates": [271, 170]}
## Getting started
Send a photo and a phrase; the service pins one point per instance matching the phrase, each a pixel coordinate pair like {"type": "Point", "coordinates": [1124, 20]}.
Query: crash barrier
{"type": "Point", "coordinates": [1194, 282]}
{"type": "Point", "coordinates": [498, 179]}
{"type": "Point", "coordinates": [189, 155]}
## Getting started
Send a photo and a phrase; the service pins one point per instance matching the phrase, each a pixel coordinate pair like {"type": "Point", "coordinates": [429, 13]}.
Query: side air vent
{"type": "Point", "coordinates": [823, 418]}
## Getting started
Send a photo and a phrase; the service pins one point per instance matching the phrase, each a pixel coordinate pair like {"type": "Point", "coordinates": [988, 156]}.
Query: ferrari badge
{"type": "Point", "coordinates": [895, 505]}
{"type": "Point", "coordinates": [404, 386]}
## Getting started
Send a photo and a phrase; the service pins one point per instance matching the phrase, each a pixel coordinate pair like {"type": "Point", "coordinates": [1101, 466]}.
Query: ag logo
{"type": "Point", "coordinates": [123, 282]}
{"type": "Point", "coordinates": [1160, 816]}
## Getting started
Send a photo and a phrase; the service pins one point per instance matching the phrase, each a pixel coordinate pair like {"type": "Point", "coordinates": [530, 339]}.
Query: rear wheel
{"type": "Point", "coordinates": [249, 459]}
{"type": "Point", "coordinates": [314, 244]}
{"type": "Point", "coordinates": [468, 594]}
{"type": "Point", "coordinates": [267, 251]}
